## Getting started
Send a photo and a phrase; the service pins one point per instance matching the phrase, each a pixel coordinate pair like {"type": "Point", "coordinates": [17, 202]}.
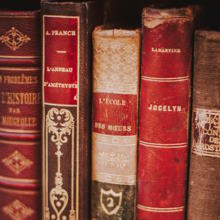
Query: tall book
{"type": "Point", "coordinates": [164, 113]}
{"type": "Point", "coordinates": [67, 28]}
{"type": "Point", "coordinates": [20, 115]}
{"type": "Point", "coordinates": [114, 123]}
{"type": "Point", "coordinates": [204, 188]}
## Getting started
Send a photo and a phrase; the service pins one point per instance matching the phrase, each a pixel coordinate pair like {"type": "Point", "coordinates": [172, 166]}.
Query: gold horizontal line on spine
{"type": "Point", "coordinates": [157, 209]}
{"type": "Point", "coordinates": [23, 57]}
{"type": "Point", "coordinates": [20, 131]}
{"type": "Point", "coordinates": [170, 79]}
{"type": "Point", "coordinates": [20, 192]}
{"type": "Point", "coordinates": [19, 69]}
{"type": "Point", "coordinates": [19, 180]}
{"type": "Point", "coordinates": [110, 135]}
{"type": "Point", "coordinates": [160, 145]}
{"type": "Point", "coordinates": [23, 143]}
{"type": "Point", "coordinates": [62, 105]}
{"type": "Point", "coordinates": [210, 111]}
{"type": "Point", "coordinates": [213, 154]}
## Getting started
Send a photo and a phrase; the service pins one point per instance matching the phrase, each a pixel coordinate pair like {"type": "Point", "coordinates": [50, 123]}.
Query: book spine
{"type": "Point", "coordinates": [20, 115]}
{"type": "Point", "coordinates": [20, 164]}
{"type": "Point", "coordinates": [114, 123]}
{"type": "Point", "coordinates": [20, 204]}
{"type": "Point", "coordinates": [164, 113]}
{"type": "Point", "coordinates": [19, 38]}
{"type": "Point", "coordinates": [204, 180]}
{"type": "Point", "coordinates": [20, 102]}
{"type": "Point", "coordinates": [66, 62]}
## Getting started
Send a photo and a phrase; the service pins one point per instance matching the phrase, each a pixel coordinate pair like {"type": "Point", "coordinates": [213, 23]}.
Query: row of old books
{"type": "Point", "coordinates": [116, 107]}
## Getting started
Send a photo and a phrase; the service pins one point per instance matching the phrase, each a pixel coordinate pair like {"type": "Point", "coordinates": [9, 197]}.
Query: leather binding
{"type": "Point", "coordinates": [20, 102]}
{"type": "Point", "coordinates": [67, 28]}
{"type": "Point", "coordinates": [164, 113]}
{"type": "Point", "coordinates": [19, 204]}
{"type": "Point", "coordinates": [19, 38]}
{"type": "Point", "coordinates": [114, 124]}
{"type": "Point", "coordinates": [20, 164]}
{"type": "Point", "coordinates": [204, 180]}
{"type": "Point", "coordinates": [20, 115]}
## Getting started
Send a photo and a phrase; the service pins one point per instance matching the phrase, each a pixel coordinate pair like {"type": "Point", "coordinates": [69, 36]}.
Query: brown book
{"type": "Point", "coordinates": [66, 33]}
{"type": "Point", "coordinates": [114, 122]}
{"type": "Point", "coordinates": [204, 188]}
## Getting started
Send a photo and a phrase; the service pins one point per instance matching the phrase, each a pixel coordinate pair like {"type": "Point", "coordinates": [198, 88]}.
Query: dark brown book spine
{"type": "Point", "coordinates": [204, 181]}
{"type": "Point", "coordinates": [67, 29]}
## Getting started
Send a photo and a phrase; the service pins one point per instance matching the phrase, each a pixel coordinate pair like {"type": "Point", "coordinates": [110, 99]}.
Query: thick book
{"type": "Point", "coordinates": [114, 122]}
{"type": "Point", "coordinates": [66, 33]}
{"type": "Point", "coordinates": [19, 38]}
{"type": "Point", "coordinates": [20, 75]}
{"type": "Point", "coordinates": [17, 204]}
{"type": "Point", "coordinates": [164, 113]}
{"type": "Point", "coordinates": [204, 188]}
{"type": "Point", "coordinates": [20, 115]}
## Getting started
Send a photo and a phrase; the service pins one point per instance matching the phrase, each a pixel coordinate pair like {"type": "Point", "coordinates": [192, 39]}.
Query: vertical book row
{"type": "Point", "coordinates": [122, 120]}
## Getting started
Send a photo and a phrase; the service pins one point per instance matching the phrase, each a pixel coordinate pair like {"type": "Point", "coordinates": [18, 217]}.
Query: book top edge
{"type": "Point", "coordinates": [168, 13]}
{"type": "Point", "coordinates": [111, 32]}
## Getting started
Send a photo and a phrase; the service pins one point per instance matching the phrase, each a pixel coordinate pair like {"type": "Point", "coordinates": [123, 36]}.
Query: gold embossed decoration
{"type": "Point", "coordinates": [17, 162]}
{"type": "Point", "coordinates": [14, 39]}
{"type": "Point", "coordinates": [60, 124]}
{"type": "Point", "coordinates": [110, 201]}
{"type": "Point", "coordinates": [17, 210]}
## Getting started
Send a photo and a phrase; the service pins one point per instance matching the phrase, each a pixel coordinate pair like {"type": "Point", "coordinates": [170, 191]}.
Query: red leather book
{"type": "Point", "coordinates": [114, 124]}
{"type": "Point", "coordinates": [19, 38]}
{"type": "Point", "coordinates": [20, 115]}
{"type": "Point", "coordinates": [164, 113]}
{"type": "Point", "coordinates": [67, 29]}
{"type": "Point", "coordinates": [20, 164]}
{"type": "Point", "coordinates": [20, 204]}
{"type": "Point", "coordinates": [204, 178]}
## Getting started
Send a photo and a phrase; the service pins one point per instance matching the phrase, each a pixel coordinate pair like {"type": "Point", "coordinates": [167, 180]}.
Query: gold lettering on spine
{"type": "Point", "coordinates": [60, 123]}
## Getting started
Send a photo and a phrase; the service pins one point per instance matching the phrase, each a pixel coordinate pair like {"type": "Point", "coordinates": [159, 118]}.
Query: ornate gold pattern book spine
{"type": "Point", "coordinates": [204, 180]}
{"type": "Point", "coordinates": [66, 32]}
{"type": "Point", "coordinates": [114, 122]}
{"type": "Point", "coordinates": [20, 115]}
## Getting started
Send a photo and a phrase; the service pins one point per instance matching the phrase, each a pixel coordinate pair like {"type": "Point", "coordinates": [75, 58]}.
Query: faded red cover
{"type": "Point", "coordinates": [19, 38]}
{"type": "Point", "coordinates": [164, 113]}
{"type": "Point", "coordinates": [20, 204]}
{"type": "Point", "coordinates": [20, 164]}
{"type": "Point", "coordinates": [20, 103]}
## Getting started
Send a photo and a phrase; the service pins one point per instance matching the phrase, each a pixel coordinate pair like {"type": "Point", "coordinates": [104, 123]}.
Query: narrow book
{"type": "Point", "coordinates": [164, 113]}
{"type": "Point", "coordinates": [204, 181]}
{"type": "Point", "coordinates": [114, 122]}
{"type": "Point", "coordinates": [67, 28]}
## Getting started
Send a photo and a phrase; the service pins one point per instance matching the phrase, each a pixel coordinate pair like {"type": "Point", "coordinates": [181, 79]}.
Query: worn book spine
{"type": "Point", "coordinates": [204, 180]}
{"type": "Point", "coordinates": [16, 204]}
{"type": "Point", "coordinates": [67, 29]}
{"type": "Point", "coordinates": [164, 113]}
{"type": "Point", "coordinates": [114, 122]}
{"type": "Point", "coordinates": [19, 38]}
{"type": "Point", "coordinates": [20, 115]}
